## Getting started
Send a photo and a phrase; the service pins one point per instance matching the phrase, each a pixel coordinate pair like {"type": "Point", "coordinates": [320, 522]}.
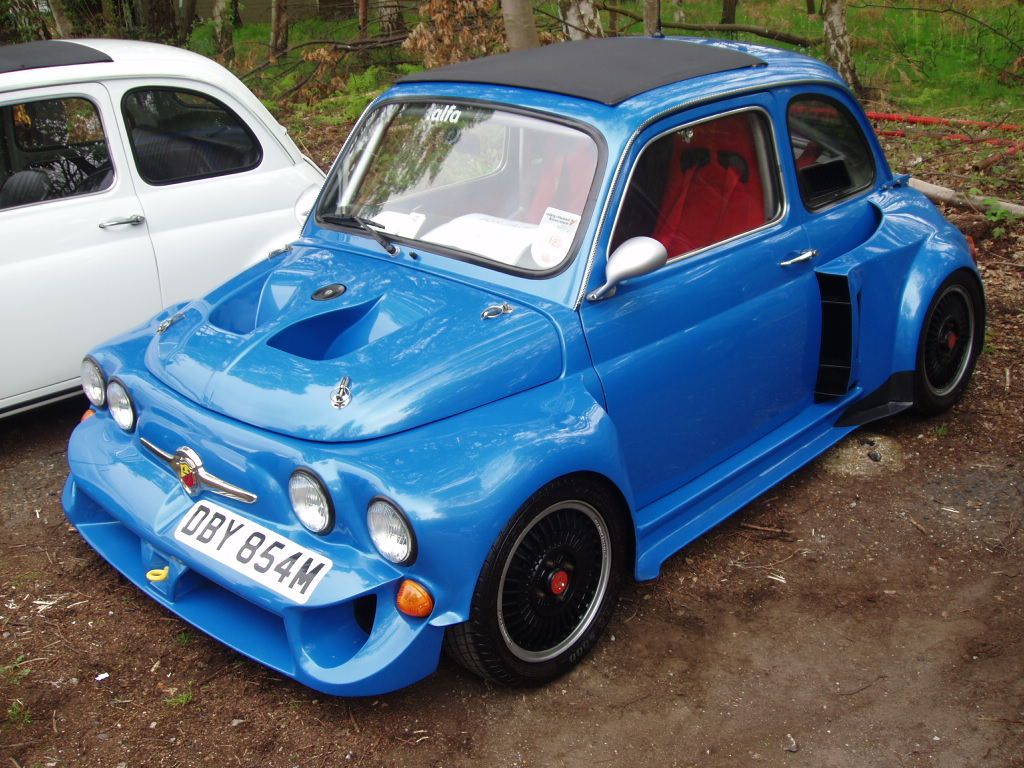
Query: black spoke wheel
{"type": "Point", "coordinates": [554, 580]}
{"type": "Point", "coordinates": [951, 339]}
{"type": "Point", "coordinates": [548, 587]}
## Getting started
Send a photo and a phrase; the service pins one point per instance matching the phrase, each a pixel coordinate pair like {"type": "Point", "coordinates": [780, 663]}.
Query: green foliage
{"type": "Point", "coordinates": [16, 671]}
{"type": "Point", "coordinates": [18, 713]}
{"type": "Point", "coordinates": [182, 699]}
{"type": "Point", "coordinates": [942, 430]}
{"type": "Point", "coordinates": [185, 638]}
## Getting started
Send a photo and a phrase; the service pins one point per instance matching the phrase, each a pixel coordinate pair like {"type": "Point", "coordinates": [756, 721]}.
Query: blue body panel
{"type": "Point", "coordinates": [691, 391]}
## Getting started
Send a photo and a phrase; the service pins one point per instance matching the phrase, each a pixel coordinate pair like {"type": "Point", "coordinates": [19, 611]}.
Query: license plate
{"type": "Point", "coordinates": [252, 550]}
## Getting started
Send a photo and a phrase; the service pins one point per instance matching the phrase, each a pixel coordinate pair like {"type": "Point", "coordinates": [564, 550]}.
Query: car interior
{"type": "Point", "coordinates": [51, 149]}
{"type": "Point", "coordinates": [701, 185]}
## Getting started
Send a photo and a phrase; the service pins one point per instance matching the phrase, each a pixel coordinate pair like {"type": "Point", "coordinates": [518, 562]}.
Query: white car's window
{"type": "Point", "coordinates": [703, 183]}
{"type": "Point", "coordinates": [504, 187]}
{"type": "Point", "coordinates": [180, 136]}
{"type": "Point", "coordinates": [51, 149]}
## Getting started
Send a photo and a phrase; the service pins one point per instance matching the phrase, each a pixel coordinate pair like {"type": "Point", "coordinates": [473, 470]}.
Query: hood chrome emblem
{"type": "Point", "coordinates": [342, 396]}
{"type": "Point", "coordinates": [189, 469]}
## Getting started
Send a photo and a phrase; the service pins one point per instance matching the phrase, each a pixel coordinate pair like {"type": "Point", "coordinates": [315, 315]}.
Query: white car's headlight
{"type": "Point", "coordinates": [94, 383]}
{"type": "Point", "coordinates": [311, 502]}
{"type": "Point", "coordinates": [122, 409]}
{"type": "Point", "coordinates": [391, 533]}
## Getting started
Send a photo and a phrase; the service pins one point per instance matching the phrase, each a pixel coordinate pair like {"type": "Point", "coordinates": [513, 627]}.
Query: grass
{"type": "Point", "coordinates": [18, 714]}
{"type": "Point", "coordinates": [182, 699]}
{"type": "Point", "coordinates": [185, 638]}
{"type": "Point", "coordinates": [16, 671]}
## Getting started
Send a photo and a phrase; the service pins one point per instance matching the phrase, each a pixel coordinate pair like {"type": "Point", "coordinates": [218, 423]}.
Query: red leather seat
{"type": "Point", "coordinates": [715, 190]}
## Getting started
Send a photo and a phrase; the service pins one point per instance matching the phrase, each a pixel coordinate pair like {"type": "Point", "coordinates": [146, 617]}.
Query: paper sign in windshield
{"type": "Point", "coordinates": [554, 238]}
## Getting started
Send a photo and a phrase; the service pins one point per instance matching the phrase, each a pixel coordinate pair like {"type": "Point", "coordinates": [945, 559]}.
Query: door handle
{"type": "Point", "coordinates": [803, 256]}
{"type": "Point", "coordinates": [133, 220]}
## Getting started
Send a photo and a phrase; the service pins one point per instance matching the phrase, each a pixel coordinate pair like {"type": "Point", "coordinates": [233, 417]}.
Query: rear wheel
{"type": "Point", "coordinates": [951, 340]}
{"type": "Point", "coordinates": [548, 587]}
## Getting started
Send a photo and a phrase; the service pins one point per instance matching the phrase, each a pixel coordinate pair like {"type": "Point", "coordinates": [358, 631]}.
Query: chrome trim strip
{"type": "Point", "coordinates": [206, 480]}
{"type": "Point", "coordinates": [766, 87]}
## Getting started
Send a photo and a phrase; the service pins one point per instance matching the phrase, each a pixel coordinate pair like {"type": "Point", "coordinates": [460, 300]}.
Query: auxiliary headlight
{"type": "Point", "coordinates": [391, 532]}
{"type": "Point", "coordinates": [94, 383]}
{"type": "Point", "coordinates": [122, 409]}
{"type": "Point", "coordinates": [310, 501]}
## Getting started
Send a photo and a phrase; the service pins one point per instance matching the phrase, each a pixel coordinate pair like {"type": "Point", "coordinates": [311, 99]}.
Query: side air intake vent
{"type": "Point", "coordinates": [836, 338]}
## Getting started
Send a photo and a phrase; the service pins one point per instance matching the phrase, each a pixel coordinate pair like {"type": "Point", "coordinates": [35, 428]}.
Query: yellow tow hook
{"type": "Point", "coordinates": [159, 574]}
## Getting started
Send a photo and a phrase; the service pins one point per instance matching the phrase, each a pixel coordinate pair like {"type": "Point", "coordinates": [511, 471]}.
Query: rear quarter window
{"type": "Point", "coordinates": [179, 136]}
{"type": "Point", "coordinates": [833, 158]}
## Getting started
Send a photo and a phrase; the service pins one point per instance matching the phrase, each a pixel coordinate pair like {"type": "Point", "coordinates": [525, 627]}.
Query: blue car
{"type": "Point", "coordinates": [554, 315]}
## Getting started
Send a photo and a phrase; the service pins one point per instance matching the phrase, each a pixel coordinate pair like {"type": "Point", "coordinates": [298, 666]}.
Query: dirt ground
{"type": "Point", "coordinates": [864, 613]}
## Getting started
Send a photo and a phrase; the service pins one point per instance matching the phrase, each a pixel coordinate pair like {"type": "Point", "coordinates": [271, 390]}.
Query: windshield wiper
{"type": "Point", "coordinates": [366, 225]}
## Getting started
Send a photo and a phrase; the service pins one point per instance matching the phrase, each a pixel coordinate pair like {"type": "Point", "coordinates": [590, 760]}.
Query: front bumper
{"type": "Point", "coordinates": [349, 639]}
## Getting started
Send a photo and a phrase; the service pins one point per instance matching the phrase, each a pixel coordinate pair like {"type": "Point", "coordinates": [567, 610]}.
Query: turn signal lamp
{"type": "Point", "coordinates": [414, 599]}
{"type": "Point", "coordinates": [89, 413]}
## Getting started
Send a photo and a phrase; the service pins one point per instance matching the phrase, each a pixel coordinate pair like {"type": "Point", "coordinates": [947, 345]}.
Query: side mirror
{"type": "Point", "coordinates": [637, 256]}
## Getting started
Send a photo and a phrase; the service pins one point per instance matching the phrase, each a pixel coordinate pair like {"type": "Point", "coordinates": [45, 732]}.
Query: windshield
{"type": "Point", "coordinates": [504, 187]}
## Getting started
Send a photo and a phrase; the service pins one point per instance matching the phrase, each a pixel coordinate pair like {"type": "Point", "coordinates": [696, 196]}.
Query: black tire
{"type": "Point", "coordinates": [951, 340]}
{"type": "Point", "coordinates": [547, 588]}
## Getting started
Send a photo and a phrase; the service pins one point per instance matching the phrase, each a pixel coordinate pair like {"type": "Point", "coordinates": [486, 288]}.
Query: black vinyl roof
{"type": "Point", "coordinates": [47, 53]}
{"type": "Point", "coordinates": [606, 70]}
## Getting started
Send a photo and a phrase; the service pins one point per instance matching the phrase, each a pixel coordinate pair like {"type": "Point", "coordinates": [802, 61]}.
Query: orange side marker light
{"type": "Point", "coordinates": [414, 599]}
{"type": "Point", "coordinates": [87, 415]}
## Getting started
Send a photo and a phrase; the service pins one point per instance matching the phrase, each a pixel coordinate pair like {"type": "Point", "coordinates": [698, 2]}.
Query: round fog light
{"type": "Point", "coordinates": [391, 533]}
{"type": "Point", "coordinates": [94, 383]}
{"type": "Point", "coordinates": [311, 502]}
{"type": "Point", "coordinates": [122, 409]}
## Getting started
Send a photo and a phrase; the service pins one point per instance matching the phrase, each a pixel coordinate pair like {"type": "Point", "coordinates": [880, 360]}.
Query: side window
{"type": "Point", "coordinates": [180, 136]}
{"type": "Point", "coordinates": [702, 184]}
{"type": "Point", "coordinates": [833, 157]}
{"type": "Point", "coordinates": [54, 148]}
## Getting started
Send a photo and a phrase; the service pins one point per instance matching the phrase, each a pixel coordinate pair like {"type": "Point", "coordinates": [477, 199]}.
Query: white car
{"type": "Point", "coordinates": [132, 176]}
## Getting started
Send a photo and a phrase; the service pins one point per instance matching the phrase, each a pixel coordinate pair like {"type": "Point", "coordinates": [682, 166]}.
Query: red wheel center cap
{"type": "Point", "coordinates": [559, 582]}
{"type": "Point", "coordinates": [952, 340]}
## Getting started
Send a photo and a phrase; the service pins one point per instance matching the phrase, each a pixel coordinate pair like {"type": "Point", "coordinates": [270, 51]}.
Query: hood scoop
{"type": "Point", "coordinates": [267, 352]}
{"type": "Point", "coordinates": [335, 334]}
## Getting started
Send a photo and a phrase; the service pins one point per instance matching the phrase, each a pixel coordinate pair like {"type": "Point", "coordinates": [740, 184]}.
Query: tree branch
{"type": "Point", "coordinates": [359, 45]}
{"type": "Point", "coordinates": [770, 34]}
{"type": "Point", "coordinates": [948, 9]}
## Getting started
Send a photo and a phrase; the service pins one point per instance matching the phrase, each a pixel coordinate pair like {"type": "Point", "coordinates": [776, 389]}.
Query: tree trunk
{"type": "Point", "coordinates": [729, 11]}
{"type": "Point", "coordinates": [186, 20]}
{"type": "Point", "coordinates": [520, 26]}
{"type": "Point", "coordinates": [838, 51]}
{"type": "Point", "coordinates": [391, 20]}
{"type": "Point", "coordinates": [61, 20]}
{"type": "Point", "coordinates": [812, 7]}
{"type": "Point", "coordinates": [651, 21]}
{"type": "Point", "coordinates": [580, 19]}
{"type": "Point", "coordinates": [278, 28]}
{"type": "Point", "coordinates": [223, 30]}
{"type": "Point", "coordinates": [364, 18]}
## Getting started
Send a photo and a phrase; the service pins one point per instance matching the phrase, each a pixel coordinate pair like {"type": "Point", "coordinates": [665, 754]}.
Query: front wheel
{"type": "Point", "coordinates": [547, 589]}
{"type": "Point", "coordinates": [951, 339]}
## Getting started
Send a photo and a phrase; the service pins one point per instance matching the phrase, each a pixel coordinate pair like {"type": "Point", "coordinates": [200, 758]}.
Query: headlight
{"type": "Point", "coordinates": [121, 406]}
{"type": "Point", "coordinates": [311, 502]}
{"type": "Point", "coordinates": [391, 532]}
{"type": "Point", "coordinates": [94, 383]}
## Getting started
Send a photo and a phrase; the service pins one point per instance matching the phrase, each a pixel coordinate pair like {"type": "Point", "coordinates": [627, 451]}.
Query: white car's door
{"type": "Point", "coordinates": [218, 190]}
{"type": "Point", "coordinates": [76, 262]}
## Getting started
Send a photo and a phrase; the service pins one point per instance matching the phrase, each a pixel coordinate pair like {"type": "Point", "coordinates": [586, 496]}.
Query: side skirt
{"type": "Point", "coordinates": [669, 524]}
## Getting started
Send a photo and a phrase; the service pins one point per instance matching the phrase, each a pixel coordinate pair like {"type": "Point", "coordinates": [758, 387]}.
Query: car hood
{"type": "Point", "coordinates": [413, 347]}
